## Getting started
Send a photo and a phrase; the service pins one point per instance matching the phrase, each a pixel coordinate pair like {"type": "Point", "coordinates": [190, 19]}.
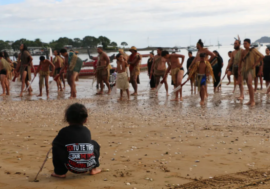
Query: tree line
{"type": "Point", "coordinates": [86, 42]}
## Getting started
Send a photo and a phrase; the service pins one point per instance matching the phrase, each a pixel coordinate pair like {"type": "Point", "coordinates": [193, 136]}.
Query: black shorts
{"type": "Point", "coordinates": [3, 72]}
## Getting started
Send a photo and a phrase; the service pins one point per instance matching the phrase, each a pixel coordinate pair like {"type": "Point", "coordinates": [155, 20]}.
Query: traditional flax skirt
{"type": "Point", "coordinates": [174, 73]}
{"type": "Point", "coordinates": [122, 81]}
{"type": "Point", "coordinates": [102, 72]}
{"type": "Point", "coordinates": [200, 80]}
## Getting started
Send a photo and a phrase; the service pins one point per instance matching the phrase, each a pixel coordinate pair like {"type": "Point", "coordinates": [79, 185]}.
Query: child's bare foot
{"type": "Point", "coordinates": [109, 92]}
{"type": "Point", "coordinates": [21, 95]}
{"type": "Point", "coordinates": [134, 94]}
{"type": "Point", "coordinates": [176, 99]}
{"type": "Point", "coordinates": [249, 103]}
{"type": "Point", "coordinates": [120, 99]}
{"type": "Point", "coordinates": [252, 104]}
{"type": "Point", "coordinates": [95, 171]}
{"type": "Point", "coordinates": [181, 99]}
{"type": "Point", "coordinates": [99, 93]}
{"type": "Point", "coordinates": [202, 103]}
{"type": "Point", "coordinates": [3, 94]}
{"type": "Point", "coordinates": [58, 176]}
{"type": "Point", "coordinates": [240, 98]}
{"type": "Point", "coordinates": [167, 94]}
{"type": "Point", "coordinates": [48, 96]}
{"type": "Point", "coordinates": [229, 83]}
{"type": "Point", "coordinates": [39, 95]}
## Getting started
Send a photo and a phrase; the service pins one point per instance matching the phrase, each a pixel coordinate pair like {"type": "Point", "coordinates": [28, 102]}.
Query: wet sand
{"type": "Point", "coordinates": [147, 142]}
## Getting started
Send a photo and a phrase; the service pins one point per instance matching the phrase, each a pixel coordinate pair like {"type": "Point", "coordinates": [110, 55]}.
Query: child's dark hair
{"type": "Point", "coordinates": [63, 50]}
{"type": "Point", "coordinates": [118, 55]}
{"type": "Point", "coordinates": [76, 114]}
{"type": "Point", "coordinates": [202, 55]}
{"type": "Point", "coordinates": [164, 53]}
{"type": "Point", "coordinates": [41, 58]}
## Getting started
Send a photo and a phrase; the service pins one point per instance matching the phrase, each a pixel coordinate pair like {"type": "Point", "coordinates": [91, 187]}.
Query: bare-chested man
{"type": "Point", "coordinates": [73, 64]}
{"type": "Point", "coordinates": [5, 70]}
{"type": "Point", "coordinates": [44, 72]}
{"type": "Point", "coordinates": [251, 58]}
{"type": "Point", "coordinates": [123, 75]}
{"type": "Point", "coordinates": [24, 68]}
{"type": "Point", "coordinates": [234, 65]}
{"type": "Point", "coordinates": [102, 72]}
{"type": "Point", "coordinates": [135, 62]}
{"type": "Point", "coordinates": [202, 69]}
{"type": "Point", "coordinates": [159, 69]}
{"type": "Point", "coordinates": [177, 70]}
{"type": "Point", "coordinates": [58, 62]}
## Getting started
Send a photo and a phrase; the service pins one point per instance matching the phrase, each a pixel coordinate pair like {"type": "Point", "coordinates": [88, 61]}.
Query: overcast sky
{"type": "Point", "coordinates": [165, 23]}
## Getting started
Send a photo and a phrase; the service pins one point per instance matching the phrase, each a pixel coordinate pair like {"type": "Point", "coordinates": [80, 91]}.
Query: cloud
{"type": "Point", "coordinates": [167, 22]}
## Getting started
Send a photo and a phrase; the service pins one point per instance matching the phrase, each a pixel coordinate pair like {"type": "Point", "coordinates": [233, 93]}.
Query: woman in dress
{"type": "Point", "coordinates": [149, 66]}
{"type": "Point", "coordinates": [266, 69]}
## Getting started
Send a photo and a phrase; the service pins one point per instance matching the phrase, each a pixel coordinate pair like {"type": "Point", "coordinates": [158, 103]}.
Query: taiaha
{"type": "Point", "coordinates": [30, 84]}
{"type": "Point", "coordinates": [47, 156]}
{"type": "Point", "coordinates": [221, 80]}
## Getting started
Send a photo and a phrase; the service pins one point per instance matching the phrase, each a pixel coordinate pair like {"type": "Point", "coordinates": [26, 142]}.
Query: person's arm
{"type": "Point", "coordinates": [107, 59]}
{"type": "Point", "coordinates": [168, 69]}
{"type": "Point", "coordinates": [152, 68]}
{"type": "Point", "coordinates": [65, 65]}
{"type": "Point", "coordinates": [211, 54]}
{"type": "Point", "coordinates": [261, 57]}
{"type": "Point", "coordinates": [145, 55]}
{"type": "Point", "coordinates": [128, 71]}
{"type": "Point", "coordinates": [39, 66]}
{"type": "Point", "coordinates": [53, 68]}
{"type": "Point", "coordinates": [135, 61]}
{"type": "Point", "coordinates": [180, 56]}
{"type": "Point", "coordinates": [230, 64]}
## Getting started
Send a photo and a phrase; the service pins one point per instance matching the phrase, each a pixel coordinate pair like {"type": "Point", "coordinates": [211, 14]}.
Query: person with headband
{"type": "Point", "coordinates": [250, 57]}
{"type": "Point", "coordinates": [234, 65]}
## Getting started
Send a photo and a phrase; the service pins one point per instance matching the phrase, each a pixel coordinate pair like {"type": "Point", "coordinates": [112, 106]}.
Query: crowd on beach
{"type": "Point", "coordinates": [245, 65]}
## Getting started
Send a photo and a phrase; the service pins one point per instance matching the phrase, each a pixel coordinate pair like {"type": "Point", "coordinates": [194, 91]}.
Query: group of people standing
{"type": "Point", "coordinates": [245, 65]}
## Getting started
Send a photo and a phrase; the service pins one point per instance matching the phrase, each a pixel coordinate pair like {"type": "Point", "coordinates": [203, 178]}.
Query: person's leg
{"type": "Point", "coordinates": [40, 85]}
{"type": "Point", "coordinates": [241, 87]}
{"type": "Point", "coordinates": [268, 89]}
{"type": "Point", "coordinates": [191, 84]}
{"type": "Point", "coordinates": [134, 84]}
{"type": "Point", "coordinates": [179, 82]}
{"type": "Point", "coordinates": [157, 80]}
{"type": "Point", "coordinates": [229, 77]}
{"type": "Point", "coordinates": [47, 85]}
{"type": "Point", "coordinates": [250, 90]}
{"type": "Point", "coordinates": [121, 94]}
{"type": "Point", "coordinates": [60, 169]}
{"type": "Point", "coordinates": [74, 76]}
{"type": "Point", "coordinates": [261, 81]}
{"type": "Point", "coordinates": [3, 83]}
{"type": "Point", "coordinates": [128, 93]}
{"type": "Point", "coordinates": [106, 81]}
{"type": "Point", "coordinates": [255, 83]}
{"type": "Point", "coordinates": [7, 86]}
{"type": "Point", "coordinates": [96, 170]}
{"type": "Point", "coordinates": [63, 80]}
{"type": "Point", "coordinates": [202, 93]}
{"type": "Point", "coordinates": [24, 74]}
{"type": "Point", "coordinates": [166, 87]}
{"type": "Point", "coordinates": [206, 91]}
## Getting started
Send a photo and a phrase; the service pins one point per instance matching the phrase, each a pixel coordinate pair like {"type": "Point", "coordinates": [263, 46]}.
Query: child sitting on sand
{"type": "Point", "coordinates": [202, 69]}
{"type": "Point", "coordinates": [73, 149]}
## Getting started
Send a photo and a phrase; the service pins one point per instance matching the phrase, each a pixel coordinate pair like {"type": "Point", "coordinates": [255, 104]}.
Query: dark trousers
{"type": "Point", "coordinates": [60, 158]}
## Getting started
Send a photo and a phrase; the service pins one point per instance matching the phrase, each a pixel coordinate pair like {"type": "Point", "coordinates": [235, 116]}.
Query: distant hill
{"type": "Point", "coordinates": [263, 40]}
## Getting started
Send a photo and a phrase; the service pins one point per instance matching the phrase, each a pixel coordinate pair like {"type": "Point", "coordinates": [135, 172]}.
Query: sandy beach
{"type": "Point", "coordinates": [147, 142]}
